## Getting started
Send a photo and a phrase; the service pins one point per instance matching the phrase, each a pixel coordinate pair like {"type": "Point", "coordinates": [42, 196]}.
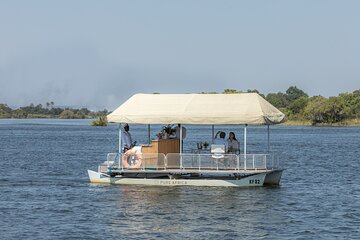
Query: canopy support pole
{"type": "Point", "coordinates": [149, 134]}
{"type": "Point", "coordinates": [213, 133]}
{"type": "Point", "coordinates": [181, 145]}
{"type": "Point", "coordinates": [245, 140]}
{"type": "Point", "coordinates": [245, 147]}
{"type": "Point", "coordinates": [120, 137]}
{"type": "Point", "coordinates": [268, 137]}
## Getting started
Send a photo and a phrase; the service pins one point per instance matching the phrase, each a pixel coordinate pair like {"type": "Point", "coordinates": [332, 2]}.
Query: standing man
{"type": "Point", "coordinates": [126, 139]}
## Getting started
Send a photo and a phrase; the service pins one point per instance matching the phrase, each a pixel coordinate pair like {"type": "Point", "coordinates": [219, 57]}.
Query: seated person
{"type": "Point", "coordinates": [233, 144]}
{"type": "Point", "coordinates": [221, 140]}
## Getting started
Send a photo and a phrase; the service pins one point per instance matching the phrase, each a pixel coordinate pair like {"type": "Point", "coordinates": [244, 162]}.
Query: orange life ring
{"type": "Point", "coordinates": [132, 159]}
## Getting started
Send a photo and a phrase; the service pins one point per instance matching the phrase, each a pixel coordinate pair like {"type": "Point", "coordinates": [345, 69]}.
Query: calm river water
{"type": "Point", "coordinates": [45, 192]}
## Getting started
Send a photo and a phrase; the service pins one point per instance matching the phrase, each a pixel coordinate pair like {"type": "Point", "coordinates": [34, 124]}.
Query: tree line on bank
{"type": "Point", "coordinates": [48, 111]}
{"type": "Point", "coordinates": [295, 103]}
{"type": "Point", "coordinates": [299, 106]}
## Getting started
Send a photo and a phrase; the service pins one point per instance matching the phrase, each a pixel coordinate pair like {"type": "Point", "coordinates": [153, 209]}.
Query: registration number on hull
{"type": "Point", "coordinates": [254, 181]}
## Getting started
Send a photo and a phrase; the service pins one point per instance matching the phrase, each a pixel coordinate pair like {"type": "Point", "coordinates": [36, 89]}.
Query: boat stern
{"type": "Point", "coordinates": [273, 177]}
{"type": "Point", "coordinates": [97, 177]}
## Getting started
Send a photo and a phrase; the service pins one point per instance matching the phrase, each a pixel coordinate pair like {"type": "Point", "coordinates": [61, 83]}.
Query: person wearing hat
{"type": "Point", "coordinates": [126, 140]}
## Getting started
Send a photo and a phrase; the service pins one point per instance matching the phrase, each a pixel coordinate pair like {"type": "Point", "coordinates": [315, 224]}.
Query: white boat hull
{"type": "Point", "coordinates": [251, 180]}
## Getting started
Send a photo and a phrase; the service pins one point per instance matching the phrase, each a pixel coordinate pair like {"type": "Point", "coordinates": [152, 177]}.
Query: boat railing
{"type": "Point", "coordinates": [200, 162]}
{"type": "Point", "coordinates": [203, 161]}
{"type": "Point", "coordinates": [111, 159]}
{"type": "Point", "coordinates": [258, 161]}
{"type": "Point", "coordinates": [153, 161]}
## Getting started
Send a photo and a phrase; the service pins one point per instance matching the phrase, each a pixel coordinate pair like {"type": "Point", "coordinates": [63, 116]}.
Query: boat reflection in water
{"type": "Point", "coordinates": [165, 211]}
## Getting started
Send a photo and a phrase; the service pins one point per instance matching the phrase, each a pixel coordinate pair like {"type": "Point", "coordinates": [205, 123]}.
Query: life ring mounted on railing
{"type": "Point", "coordinates": [132, 159]}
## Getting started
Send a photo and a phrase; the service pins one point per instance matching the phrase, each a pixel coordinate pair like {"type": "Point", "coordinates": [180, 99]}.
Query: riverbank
{"type": "Point", "coordinates": [347, 123]}
{"type": "Point", "coordinates": [50, 111]}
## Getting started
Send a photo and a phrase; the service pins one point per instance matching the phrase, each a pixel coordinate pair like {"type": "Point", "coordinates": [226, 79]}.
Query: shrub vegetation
{"type": "Point", "coordinates": [48, 111]}
{"type": "Point", "coordinates": [298, 107]}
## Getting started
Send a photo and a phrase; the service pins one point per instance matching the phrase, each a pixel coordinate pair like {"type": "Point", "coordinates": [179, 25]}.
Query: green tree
{"type": "Point", "coordinates": [5, 111]}
{"type": "Point", "coordinates": [336, 110]}
{"type": "Point", "coordinates": [298, 106]}
{"type": "Point", "coordinates": [55, 111]}
{"type": "Point", "coordinates": [315, 109]}
{"type": "Point", "coordinates": [279, 99]}
{"type": "Point", "coordinates": [231, 91]}
{"type": "Point", "coordinates": [322, 110]}
{"type": "Point", "coordinates": [352, 103]}
{"type": "Point", "coordinates": [294, 93]}
{"type": "Point", "coordinates": [19, 113]}
{"type": "Point", "coordinates": [84, 111]}
{"type": "Point", "coordinates": [67, 114]}
{"type": "Point", "coordinates": [356, 107]}
{"type": "Point", "coordinates": [255, 91]}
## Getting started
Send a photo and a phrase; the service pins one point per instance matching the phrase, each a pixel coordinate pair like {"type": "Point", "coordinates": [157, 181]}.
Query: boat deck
{"type": "Point", "coordinates": [189, 171]}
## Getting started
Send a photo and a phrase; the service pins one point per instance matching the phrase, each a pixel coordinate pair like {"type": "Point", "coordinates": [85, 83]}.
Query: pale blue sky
{"type": "Point", "coordinates": [98, 53]}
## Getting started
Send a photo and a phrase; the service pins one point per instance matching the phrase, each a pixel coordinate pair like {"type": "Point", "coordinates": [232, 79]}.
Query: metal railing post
{"type": "Point", "coordinates": [144, 162]}
{"type": "Point", "coordinates": [213, 133]}
{"type": "Point", "coordinates": [245, 167]}
{"type": "Point", "coordinates": [253, 161]}
{"type": "Point", "coordinates": [199, 162]}
{"type": "Point", "coordinates": [268, 138]}
{"type": "Point", "coordinates": [181, 139]}
{"type": "Point", "coordinates": [120, 162]}
{"type": "Point", "coordinates": [245, 143]}
{"type": "Point", "coordinates": [238, 162]}
{"type": "Point", "coordinates": [265, 162]}
{"type": "Point", "coordinates": [181, 164]}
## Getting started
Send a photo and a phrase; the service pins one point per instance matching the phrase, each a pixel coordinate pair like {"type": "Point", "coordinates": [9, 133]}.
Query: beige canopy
{"type": "Point", "coordinates": [217, 109]}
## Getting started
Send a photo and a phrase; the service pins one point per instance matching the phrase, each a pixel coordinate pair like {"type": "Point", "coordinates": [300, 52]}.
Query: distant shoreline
{"type": "Point", "coordinates": [299, 108]}
{"type": "Point", "coordinates": [348, 123]}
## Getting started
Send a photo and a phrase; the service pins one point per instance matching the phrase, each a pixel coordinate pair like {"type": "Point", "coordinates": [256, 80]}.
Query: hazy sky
{"type": "Point", "coordinates": [98, 53]}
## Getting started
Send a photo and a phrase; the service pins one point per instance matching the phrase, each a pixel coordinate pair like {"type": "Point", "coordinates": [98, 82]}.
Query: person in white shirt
{"type": "Point", "coordinates": [221, 140]}
{"type": "Point", "coordinates": [126, 140]}
{"type": "Point", "coordinates": [233, 144]}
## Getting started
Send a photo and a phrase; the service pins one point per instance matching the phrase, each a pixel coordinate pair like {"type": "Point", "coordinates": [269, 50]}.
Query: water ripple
{"type": "Point", "coordinates": [45, 193]}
